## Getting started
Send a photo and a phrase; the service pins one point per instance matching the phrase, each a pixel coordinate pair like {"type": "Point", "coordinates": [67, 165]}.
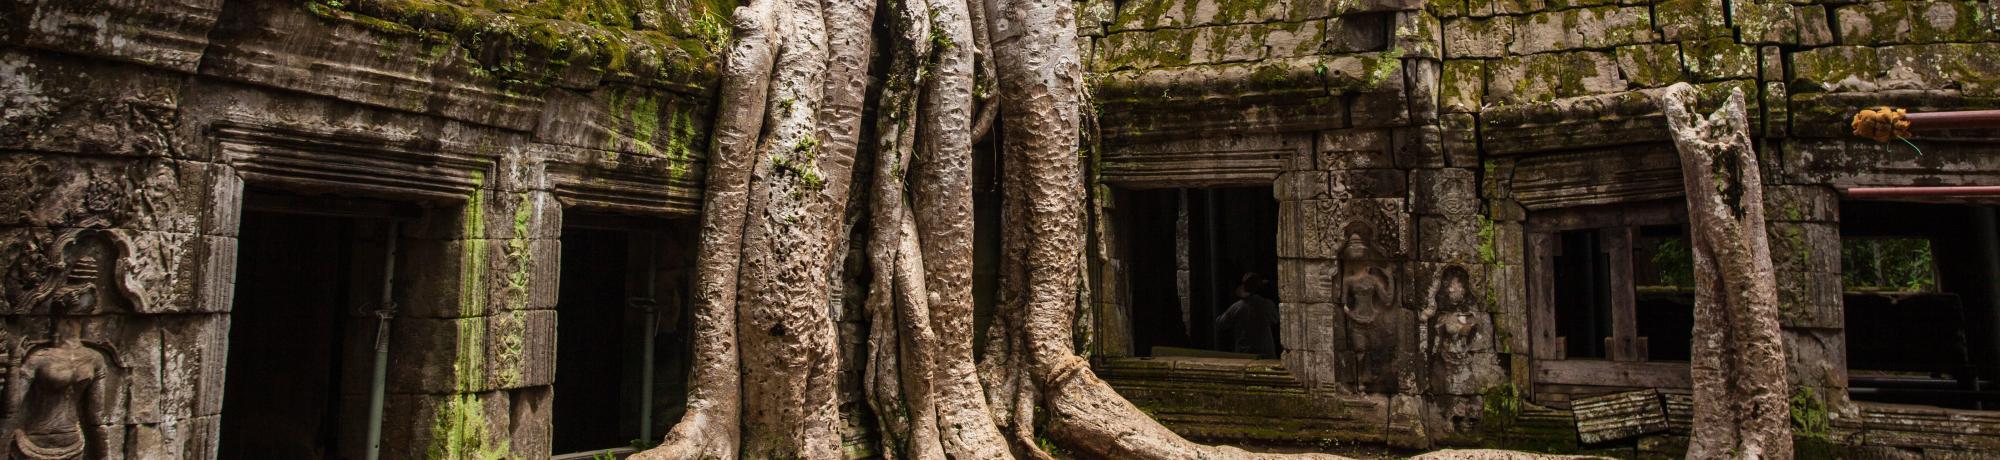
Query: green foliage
{"type": "Point", "coordinates": [1673, 260]}
{"type": "Point", "coordinates": [1809, 418]}
{"type": "Point", "coordinates": [1887, 264]}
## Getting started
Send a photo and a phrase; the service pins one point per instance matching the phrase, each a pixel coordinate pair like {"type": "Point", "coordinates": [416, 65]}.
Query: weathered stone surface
{"type": "Point", "coordinates": [1460, 140]}
{"type": "Point", "coordinates": [1449, 191]}
{"type": "Point", "coordinates": [1805, 246]}
{"type": "Point", "coordinates": [1690, 19]}
{"type": "Point", "coordinates": [1973, 68]}
{"type": "Point", "coordinates": [520, 349]}
{"type": "Point", "coordinates": [1781, 23]}
{"type": "Point", "coordinates": [1809, 300]}
{"type": "Point", "coordinates": [166, 34]}
{"type": "Point", "coordinates": [1417, 34]}
{"type": "Point", "coordinates": [1651, 65]}
{"type": "Point", "coordinates": [437, 355]}
{"type": "Point", "coordinates": [1308, 280]}
{"type": "Point", "coordinates": [1816, 357]}
{"type": "Point", "coordinates": [1354, 149]}
{"type": "Point", "coordinates": [1581, 28]}
{"type": "Point", "coordinates": [1366, 183]}
{"type": "Point", "coordinates": [1462, 85]}
{"type": "Point", "coordinates": [1448, 239]}
{"type": "Point", "coordinates": [1165, 14]}
{"type": "Point", "coordinates": [1903, 22]}
{"type": "Point", "coordinates": [1211, 160]}
{"type": "Point", "coordinates": [1210, 45]}
{"type": "Point", "coordinates": [1478, 37]}
{"type": "Point", "coordinates": [1301, 185]}
{"type": "Point", "coordinates": [60, 104]}
{"type": "Point", "coordinates": [1546, 77]}
{"type": "Point", "coordinates": [1357, 33]}
{"type": "Point", "coordinates": [1719, 59]}
{"type": "Point", "coordinates": [1801, 203]}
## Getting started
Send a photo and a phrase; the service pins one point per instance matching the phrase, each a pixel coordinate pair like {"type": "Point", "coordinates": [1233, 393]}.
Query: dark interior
{"type": "Point", "coordinates": [590, 349]}
{"type": "Point", "coordinates": [1919, 336]}
{"type": "Point", "coordinates": [1663, 285]}
{"type": "Point", "coordinates": [295, 333]}
{"type": "Point", "coordinates": [1582, 294]}
{"type": "Point", "coordinates": [600, 336]}
{"type": "Point", "coordinates": [1231, 231]}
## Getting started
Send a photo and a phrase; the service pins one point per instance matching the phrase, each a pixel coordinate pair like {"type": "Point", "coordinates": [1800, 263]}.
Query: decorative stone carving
{"type": "Point", "coordinates": [55, 394]}
{"type": "Point", "coordinates": [1379, 330]}
{"type": "Point", "coordinates": [79, 273]}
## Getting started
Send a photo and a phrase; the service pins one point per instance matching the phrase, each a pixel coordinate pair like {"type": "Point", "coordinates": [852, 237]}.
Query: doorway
{"type": "Point", "coordinates": [308, 269]}
{"type": "Point", "coordinates": [621, 284]}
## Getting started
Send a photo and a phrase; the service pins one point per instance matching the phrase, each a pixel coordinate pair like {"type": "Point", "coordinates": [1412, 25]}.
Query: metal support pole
{"type": "Point", "coordinates": [380, 380]}
{"type": "Point", "coordinates": [1922, 191]}
{"type": "Point", "coordinates": [651, 308]}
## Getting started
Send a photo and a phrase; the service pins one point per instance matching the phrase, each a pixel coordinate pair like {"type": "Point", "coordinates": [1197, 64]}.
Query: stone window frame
{"type": "Point", "coordinates": [1625, 364]}
{"type": "Point", "coordinates": [1118, 247]}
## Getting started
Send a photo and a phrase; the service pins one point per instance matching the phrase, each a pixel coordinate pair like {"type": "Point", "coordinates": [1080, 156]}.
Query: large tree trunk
{"type": "Point", "coordinates": [766, 360]}
{"type": "Point", "coordinates": [1738, 367]}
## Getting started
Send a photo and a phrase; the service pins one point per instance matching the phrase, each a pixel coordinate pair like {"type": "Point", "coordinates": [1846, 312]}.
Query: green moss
{"type": "Point", "coordinates": [460, 431]}
{"type": "Point", "coordinates": [533, 43]}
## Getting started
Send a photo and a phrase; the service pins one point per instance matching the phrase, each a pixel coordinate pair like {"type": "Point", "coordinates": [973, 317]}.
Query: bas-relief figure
{"type": "Point", "coordinates": [1378, 328]}
{"type": "Point", "coordinates": [55, 393]}
{"type": "Point", "coordinates": [1459, 335]}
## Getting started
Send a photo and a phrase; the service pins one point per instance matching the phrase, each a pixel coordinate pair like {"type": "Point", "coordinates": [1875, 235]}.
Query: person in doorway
{"type": "Point", "coordinates": [1251, 321]}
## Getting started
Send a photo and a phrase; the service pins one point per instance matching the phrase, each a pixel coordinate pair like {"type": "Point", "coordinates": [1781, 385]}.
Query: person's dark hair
{"type": "Point", "coordinates": [1252, 281]}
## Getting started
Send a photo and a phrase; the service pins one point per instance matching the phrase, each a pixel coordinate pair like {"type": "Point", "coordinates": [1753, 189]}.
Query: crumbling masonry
{"type": "Point", "coordinates": [1437, 167]}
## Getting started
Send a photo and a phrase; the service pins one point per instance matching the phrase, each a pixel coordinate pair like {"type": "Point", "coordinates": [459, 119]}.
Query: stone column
{"type": "Point", "coordinates": [473, 347]}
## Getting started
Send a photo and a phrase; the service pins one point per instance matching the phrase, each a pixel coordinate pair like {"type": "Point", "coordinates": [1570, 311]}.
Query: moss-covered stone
{"type": "Point", "coordinates": [1906, 22]}
{"type": "Point", "coordinates": [534, 43]}
{"type": "Point", "coordinates": [1550, 76]}
{"type": "Point", "coordinates": [1653, 65]}
{"type": "Point", "coordinates": [1582, 28]}
{"type": "Point", "coordinates": [1719, 59]}
{"type": "Point", "coordinates": [1462, 85]}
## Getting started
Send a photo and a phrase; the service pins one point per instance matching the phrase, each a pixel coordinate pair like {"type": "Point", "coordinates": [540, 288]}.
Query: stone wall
{"type": "Point", "coordinates": [1385, 260]}
{"type": "Point", "coordinates": [129, 131]}
{"type": "Point", "coordinates": [1438, 129]}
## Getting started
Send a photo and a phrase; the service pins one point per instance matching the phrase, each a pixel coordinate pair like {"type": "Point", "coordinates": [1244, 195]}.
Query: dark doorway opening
{"type": "Point", "coordinates": [308, 269]}
{"type": "Point", "coordinates": [1188, 249]}
{"type": "Point", "coordinates": [1919, 303]}
{"type": "Point", "coordinates": [614, 270]}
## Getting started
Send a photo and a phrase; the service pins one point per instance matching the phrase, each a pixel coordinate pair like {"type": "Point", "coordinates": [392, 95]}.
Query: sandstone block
{"type": "Point", "coordinates": [1462, 85]}
{"type": "Point", "coordinates": [1719, 59]}
{"type": "Point", "coordinates": [1651, 65]}
{"type": "Point", "coordinates": [1549, 76]}
{"type": "Point", "coordinates": [1478, 37]}
{"type": "Point", "coordinates": [1906, 22]}
{"type": "Point", "coordinates": [1582, 28]}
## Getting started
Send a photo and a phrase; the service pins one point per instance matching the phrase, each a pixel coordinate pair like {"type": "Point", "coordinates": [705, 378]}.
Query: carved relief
{"type": "Point", "coordinates": [1380, 332]}
{"type": "Point", "coordinates": [56, 392]}
{"type": "Point", "coordinates": [78, 272]}
{"type": "Point", "coordinates": [1460, 341]}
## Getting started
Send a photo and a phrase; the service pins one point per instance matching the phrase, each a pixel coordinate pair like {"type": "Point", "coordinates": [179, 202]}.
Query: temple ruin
{"type": "Point", "coordinates": [215, 216]}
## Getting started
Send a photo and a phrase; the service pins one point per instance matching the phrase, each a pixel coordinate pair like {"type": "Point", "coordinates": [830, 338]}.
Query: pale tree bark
{"type": "Point", "coordinates": [1738, 366]}
{"type": "Point", "coordinates": [1040, 75]}
{"type": "Point", "coordinates": [780, 168]}
{"type": "Point", "coordinates": [784, 143]}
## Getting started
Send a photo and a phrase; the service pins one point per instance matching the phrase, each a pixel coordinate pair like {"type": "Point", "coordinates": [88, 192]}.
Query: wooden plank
{"type": "Point", "coordinates": [1618, 416]}
{"type": "Point", "coordinates": [1541, 303]}
{"type": "Point", "coordinates": [1624, 325]}
{"type": "Point", "coordinates": [1664, 375]}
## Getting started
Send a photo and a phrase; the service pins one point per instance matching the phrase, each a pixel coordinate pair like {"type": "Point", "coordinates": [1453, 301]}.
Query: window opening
{"type": "Point", "coordinates": [1189, 250]}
